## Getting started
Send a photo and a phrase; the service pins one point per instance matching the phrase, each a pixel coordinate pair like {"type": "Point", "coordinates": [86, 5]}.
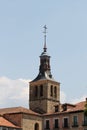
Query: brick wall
{"type": "Point", "coordinates": [60, 117]}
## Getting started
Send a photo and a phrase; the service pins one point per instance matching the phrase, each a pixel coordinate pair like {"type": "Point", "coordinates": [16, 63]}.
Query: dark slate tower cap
{"type": "Point", "coordinates": [44, 53]}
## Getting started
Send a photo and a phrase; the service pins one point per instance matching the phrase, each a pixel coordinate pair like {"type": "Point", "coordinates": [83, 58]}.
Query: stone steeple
{"type": "Point", "coordinates": [44, 93]}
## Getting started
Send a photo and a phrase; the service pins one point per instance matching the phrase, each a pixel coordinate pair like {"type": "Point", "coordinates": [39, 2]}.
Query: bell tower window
{"type": "Point", "coordinates": [55, 91]}
{"type": "Point", "coordinates": [51, 90]}
{"type": "Point", "coordinates": [41, 90]}
{"type": "Point", "coordinates": [36, 91]}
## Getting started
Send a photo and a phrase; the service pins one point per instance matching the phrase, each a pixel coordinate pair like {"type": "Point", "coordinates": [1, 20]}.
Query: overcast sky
{"type": "Point", "coordinates": [21, 43]}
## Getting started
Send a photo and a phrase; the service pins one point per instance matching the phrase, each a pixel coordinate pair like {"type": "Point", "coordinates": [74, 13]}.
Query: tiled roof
{"type": "Point", "coordinates": [17, 110]}
{"type": "Point", "coordinates": [76, 108]}
{"type": "Point", "coordinates": [6, 123]}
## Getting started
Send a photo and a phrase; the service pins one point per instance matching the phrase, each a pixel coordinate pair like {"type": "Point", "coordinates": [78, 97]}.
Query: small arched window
{"type": "Point", "coordinates": [55, 91]}
{"type": "Point", "coordinates": [41, 90]}
{"type": "Point", "coordinates": [36, 127]}
{"type": "Point", "coordinates": [51, 90]}
{"type": "Point", "coordinates": [36, 91]}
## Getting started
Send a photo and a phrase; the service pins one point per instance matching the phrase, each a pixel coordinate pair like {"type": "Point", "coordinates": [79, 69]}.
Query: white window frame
{"type": "Point", "coordinates": [64, 118]}
{"type": "Point", "coordinates": [45, 123]}
{"type": "Point", "coordinates": [54, 122]}
{"type": "Point", "coordinates": [73, 118]}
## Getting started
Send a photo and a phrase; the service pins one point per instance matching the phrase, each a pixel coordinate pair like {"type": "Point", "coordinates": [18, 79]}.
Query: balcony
{"type": "Point", "coordinates": [46, 128]}
{"type": "Point", "coordinates": [75, 124]}
{"type": "Point", "coordinates": [56, 128]}
{"type": "Point", "coordinates": [66, 126]}
{"type": "Point", "coordinates": [84, 123]}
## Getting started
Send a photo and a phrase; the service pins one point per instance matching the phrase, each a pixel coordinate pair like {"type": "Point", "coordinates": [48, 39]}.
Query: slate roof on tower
{"type": "Point", "coordinates": [44, 68]}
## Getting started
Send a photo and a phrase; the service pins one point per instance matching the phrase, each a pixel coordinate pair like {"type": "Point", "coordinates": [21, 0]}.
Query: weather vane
{"type": "Point", "coordinates": [45, 28]}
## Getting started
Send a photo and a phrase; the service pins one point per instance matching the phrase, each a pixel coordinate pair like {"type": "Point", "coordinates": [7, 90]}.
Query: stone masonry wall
{"type": "Point", "coordinates": [29, 121]}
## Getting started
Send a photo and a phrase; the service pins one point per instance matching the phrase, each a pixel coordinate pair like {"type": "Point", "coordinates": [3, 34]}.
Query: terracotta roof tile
{"type": "Point", "coordinates": [6, 123]}
{"type": "Point", "coordinates": [79, 106]}
{"type": "Point", "coordinates": [17, 110]}
{"type": "Point", "coordinates": [76, 107]}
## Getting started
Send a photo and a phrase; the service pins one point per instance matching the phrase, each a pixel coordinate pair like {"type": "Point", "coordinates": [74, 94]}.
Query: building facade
{"type": "Point", "coordinates": [46, 111]}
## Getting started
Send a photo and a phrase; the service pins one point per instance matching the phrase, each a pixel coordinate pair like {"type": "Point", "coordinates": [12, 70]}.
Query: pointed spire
{"type": "Point", "coordinates": [45, 48]}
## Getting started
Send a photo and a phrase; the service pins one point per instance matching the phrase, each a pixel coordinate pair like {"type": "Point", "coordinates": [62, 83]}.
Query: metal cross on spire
{"type": "Point", "coordinates": [45, 28]}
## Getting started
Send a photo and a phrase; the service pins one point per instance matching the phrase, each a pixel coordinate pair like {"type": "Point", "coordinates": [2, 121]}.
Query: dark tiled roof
{"type": "Point", "coordinates": [6, 123]}
{"type": "Point", "coordinates": [17, 110]}
{"type": "Point", "coordinates": [44, 76]}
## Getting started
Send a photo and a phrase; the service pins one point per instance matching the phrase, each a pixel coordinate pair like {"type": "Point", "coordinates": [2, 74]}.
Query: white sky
{"type": "Point", "coordinates": [21, 43]}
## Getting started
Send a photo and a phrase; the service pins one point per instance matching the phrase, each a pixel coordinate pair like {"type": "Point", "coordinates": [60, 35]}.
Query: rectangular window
{"type": "Point", "coordinates": [51, 90]}
{"type": "Point", "coordinates": [65, 122]}
{"type": "Point", "coordinates": [56, 108]}
{"type": "Point", "coordinates": [36, 91]}
{"type": "Point", "coordinates": [55, 91]}
{"type": "Point", "coordinates": [56, 123]}
{"type": "Point", "coordinates": [85, 120]}
{"type": "Point", "coordinates": [47, 124]}
{"type": "Point", "coordinates": [41, 90]}
{"type": "Point", "coordinates": [75, 121]}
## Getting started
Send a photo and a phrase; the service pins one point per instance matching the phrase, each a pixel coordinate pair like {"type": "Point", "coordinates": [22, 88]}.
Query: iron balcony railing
{"type": "Point", "coordinates": [75, 124]}
{"type": "Point", "coordinates": [84, 123]}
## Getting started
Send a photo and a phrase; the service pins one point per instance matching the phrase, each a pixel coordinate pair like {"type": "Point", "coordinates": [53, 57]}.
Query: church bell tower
{"type": "Point", "coordinates": [44, 95]}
